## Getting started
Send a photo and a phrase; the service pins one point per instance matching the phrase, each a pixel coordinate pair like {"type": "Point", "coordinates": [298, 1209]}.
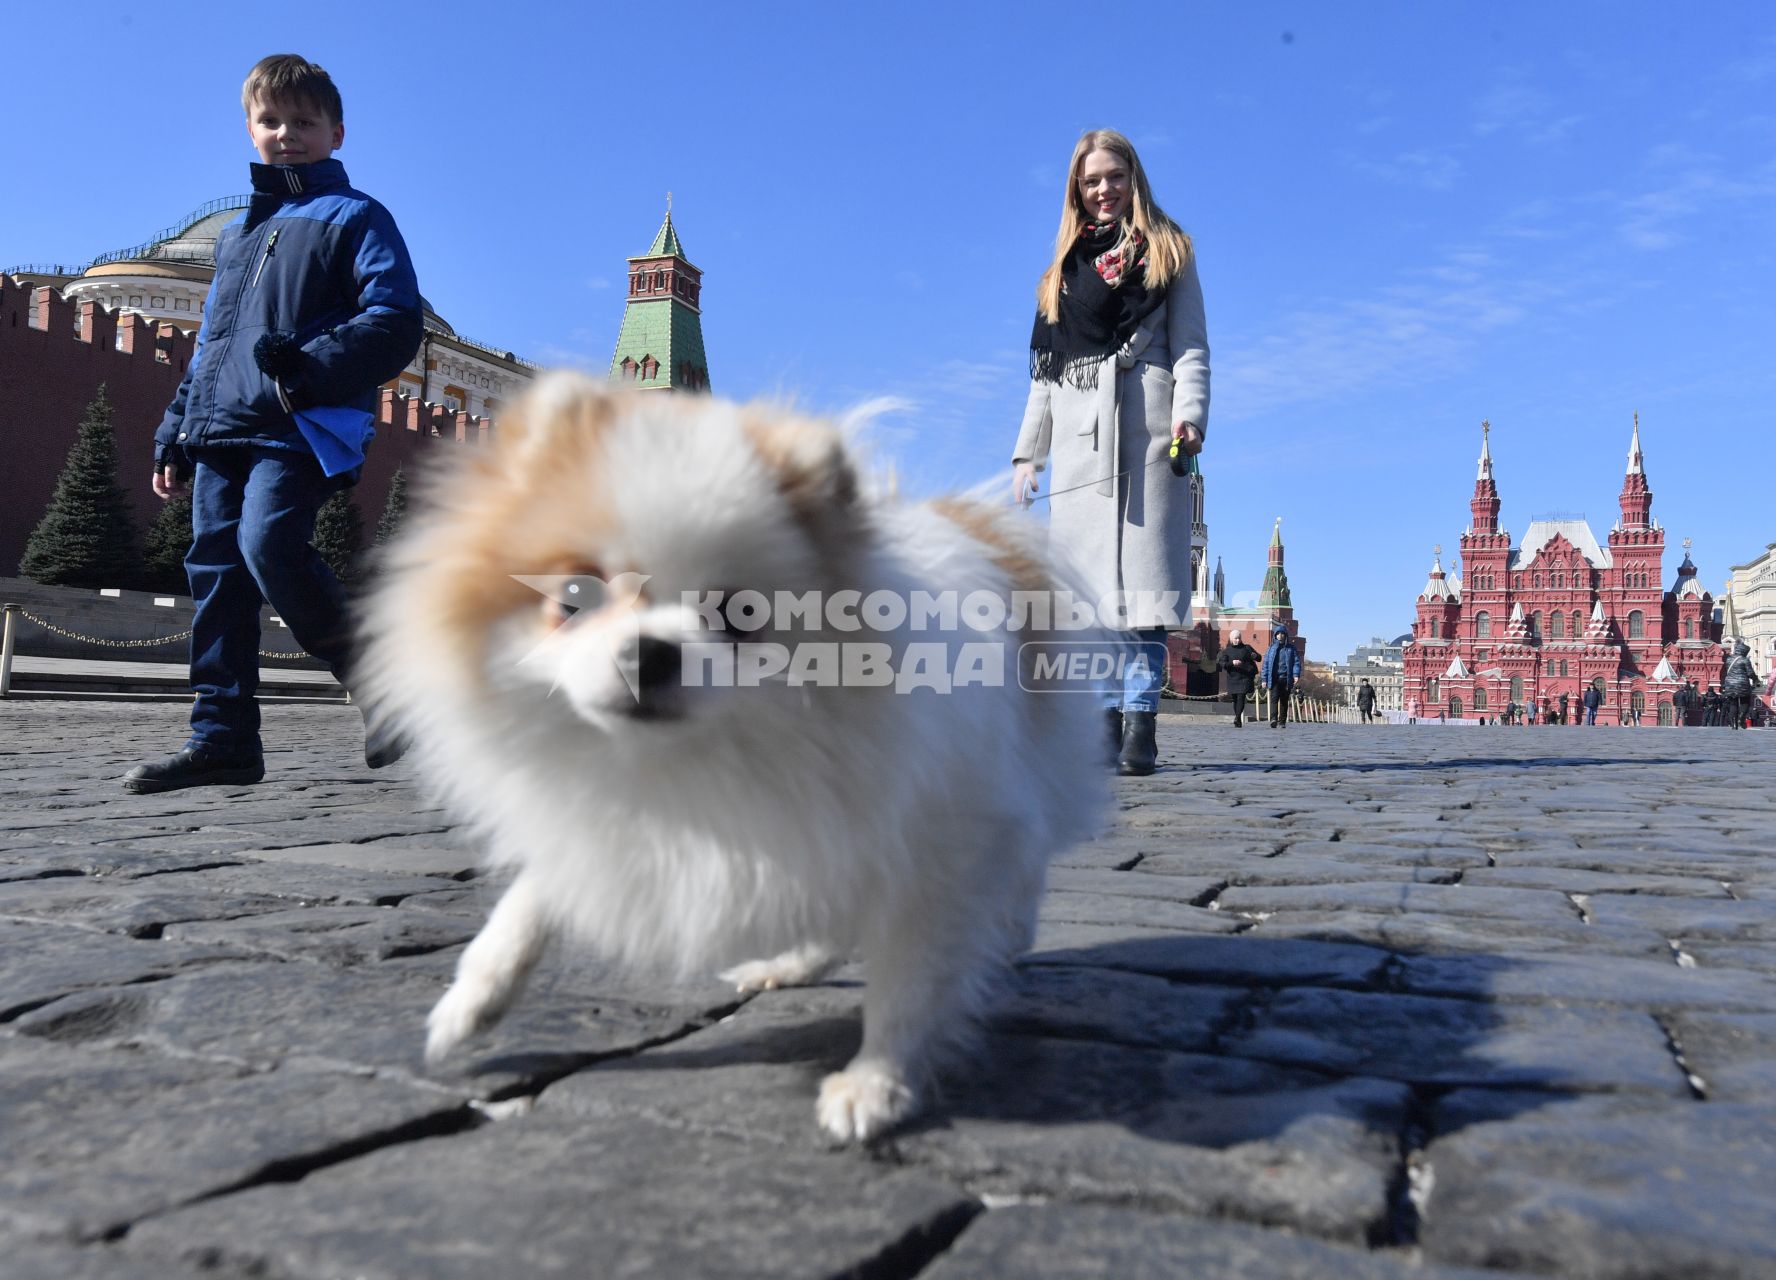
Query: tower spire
{"type": "Point", "coordinates": [1636, 500]}
{"type": "Point", "coordinates": [1275, 592]}
{"type": "Point", "coordinates": [1485, 502]}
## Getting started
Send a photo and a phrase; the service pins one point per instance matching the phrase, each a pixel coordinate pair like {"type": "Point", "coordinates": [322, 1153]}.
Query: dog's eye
{"type": "Point", "coordinates": [568, 594]}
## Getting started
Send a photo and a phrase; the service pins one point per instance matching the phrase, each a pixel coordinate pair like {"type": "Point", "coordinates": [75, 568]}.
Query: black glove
{"type": "Point", "coordinates": [278, 355]}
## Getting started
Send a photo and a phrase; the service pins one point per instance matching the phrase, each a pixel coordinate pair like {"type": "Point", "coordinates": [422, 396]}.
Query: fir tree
{"type": "Point", "coordinates": [169, 538]}
{"type": "Point", "coordinates": [339, 535]}
{"type": "Point", "coordinates": [396, 509]}
{"type": "Point", "coordinates": [86, 538]}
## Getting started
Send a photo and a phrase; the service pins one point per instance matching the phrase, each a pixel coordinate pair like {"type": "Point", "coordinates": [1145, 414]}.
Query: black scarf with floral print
{"type": "Point", "coordinates": [1104, 299]}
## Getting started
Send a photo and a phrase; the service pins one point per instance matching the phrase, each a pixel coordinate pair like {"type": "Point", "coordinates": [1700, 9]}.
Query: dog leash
{"type": "Point", "coordinates": [1182, 464]}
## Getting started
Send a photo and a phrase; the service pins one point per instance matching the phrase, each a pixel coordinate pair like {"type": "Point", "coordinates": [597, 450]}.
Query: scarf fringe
{"type": "Point", "coordinates": [1079, 372]}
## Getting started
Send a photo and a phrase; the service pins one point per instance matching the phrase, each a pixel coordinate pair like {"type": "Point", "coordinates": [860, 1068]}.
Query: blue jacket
{"type": "Point", "coordinates": [314, 258]}
{"type": "Point", "coordinates": [1288, 668]}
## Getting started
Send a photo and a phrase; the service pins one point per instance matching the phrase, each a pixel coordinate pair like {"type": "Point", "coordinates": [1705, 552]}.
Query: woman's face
{"type": "Point", "coordinates": [1104, 186]}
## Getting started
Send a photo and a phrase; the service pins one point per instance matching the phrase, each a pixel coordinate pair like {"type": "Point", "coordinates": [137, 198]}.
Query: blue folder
{"type": "Point", "coordinates": [337, 436]}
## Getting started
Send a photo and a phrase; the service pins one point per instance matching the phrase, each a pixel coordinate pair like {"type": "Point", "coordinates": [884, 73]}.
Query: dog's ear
{"type": "Point", "coordinates": [813, 471]}
{"type": "Point", "coordinates": [561, 412]}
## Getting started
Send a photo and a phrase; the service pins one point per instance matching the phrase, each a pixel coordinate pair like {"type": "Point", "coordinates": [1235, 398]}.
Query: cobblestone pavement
{"type": "Point", "coordinates": [1329, 1002]}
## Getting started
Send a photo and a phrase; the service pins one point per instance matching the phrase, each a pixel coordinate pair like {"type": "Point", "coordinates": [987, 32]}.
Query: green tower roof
{"type": "Point", "coordinates": [661, 321]}
{"type": "Point", "coordinates": [667, 241]}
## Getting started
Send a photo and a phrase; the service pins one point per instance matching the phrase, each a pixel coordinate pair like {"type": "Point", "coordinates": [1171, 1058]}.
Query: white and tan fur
{"type": "Point", "coordinates": [798, 824]}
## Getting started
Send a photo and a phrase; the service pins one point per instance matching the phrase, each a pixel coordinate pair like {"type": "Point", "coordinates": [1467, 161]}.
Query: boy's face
{"type": "Point", "coordinates": [285, 132]}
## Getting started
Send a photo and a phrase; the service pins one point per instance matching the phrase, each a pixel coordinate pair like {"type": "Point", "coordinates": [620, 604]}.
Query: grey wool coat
{"type": "Point", "coordinates": [1118, 514]}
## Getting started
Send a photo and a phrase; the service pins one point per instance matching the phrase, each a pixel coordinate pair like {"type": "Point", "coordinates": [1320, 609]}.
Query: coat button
{"type": "Point", "coordinates": [181, 435]}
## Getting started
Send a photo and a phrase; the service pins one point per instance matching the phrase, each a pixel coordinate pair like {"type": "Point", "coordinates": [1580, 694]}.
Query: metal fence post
{"type": "Point", "coordinates": [6, 651]}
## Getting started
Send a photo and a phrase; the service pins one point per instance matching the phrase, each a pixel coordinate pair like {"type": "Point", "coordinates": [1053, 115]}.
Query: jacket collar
{"type": "Point", "coordinates": [287, 180]}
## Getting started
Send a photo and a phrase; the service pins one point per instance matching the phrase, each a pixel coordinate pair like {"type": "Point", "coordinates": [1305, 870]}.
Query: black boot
{"type": "Point", "coordinates": [195, 767]}
{"type": "Point", "coordinates": [1113, 719]}
{"type": "Point", "coordinates": [1140, 750]}
{"type": "Point", "coordinates": [383, 744]}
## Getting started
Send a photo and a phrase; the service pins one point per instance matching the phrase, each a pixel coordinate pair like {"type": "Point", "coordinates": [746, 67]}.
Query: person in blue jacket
{"type": "Point", "coordinates": [314, 306]}
{"type": "Point", "coordinates": [1282, 668]}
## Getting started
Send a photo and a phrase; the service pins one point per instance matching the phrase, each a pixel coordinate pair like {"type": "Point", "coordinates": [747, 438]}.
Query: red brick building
{"type": "Point", "coordinates": [1558, 612]}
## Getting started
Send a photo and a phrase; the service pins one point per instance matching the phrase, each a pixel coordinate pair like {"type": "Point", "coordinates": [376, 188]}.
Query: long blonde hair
{"type": "Point", "coordinates": [1168, 248]}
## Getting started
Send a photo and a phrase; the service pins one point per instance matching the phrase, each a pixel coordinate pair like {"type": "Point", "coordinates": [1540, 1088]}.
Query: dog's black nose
{"type": "Point", "coordinates": [658, 664]}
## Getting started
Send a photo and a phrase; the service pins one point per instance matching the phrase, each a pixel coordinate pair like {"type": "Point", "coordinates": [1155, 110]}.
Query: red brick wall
{"type": "Point", "coordinates": [54, 355]}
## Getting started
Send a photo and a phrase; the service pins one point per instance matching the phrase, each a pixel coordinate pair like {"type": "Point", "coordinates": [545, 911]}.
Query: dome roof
{"type": "Point", "coordinates": [191, 240]}
{"type": "Point", "coordinates": [188, 247]}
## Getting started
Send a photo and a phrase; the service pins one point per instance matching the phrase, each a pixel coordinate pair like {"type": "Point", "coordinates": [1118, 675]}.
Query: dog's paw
{"type": "Point", "coordinates": [791, 969]}
{"type": "Point", "coordinates": [862, 1101]}
{"type": "Point", "coordinates": [465, 1011]}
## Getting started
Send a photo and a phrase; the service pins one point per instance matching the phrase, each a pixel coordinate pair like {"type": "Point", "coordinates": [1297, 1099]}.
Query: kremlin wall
{"type": "Point", "coordinates": [54, 354]}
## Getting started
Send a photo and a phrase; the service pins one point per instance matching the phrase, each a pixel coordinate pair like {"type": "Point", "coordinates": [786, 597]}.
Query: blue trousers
{"type": "Point", "coordinates": [1143, 675]}
{"type": "Point", "coordinates": [252, 521]}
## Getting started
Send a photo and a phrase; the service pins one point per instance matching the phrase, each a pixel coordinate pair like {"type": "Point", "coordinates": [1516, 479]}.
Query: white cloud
{"type": "Point", "coordinates": [1421, 324]}
{"type": "Point", "coordinates": [1435, 170]}
{"type": "Point", "coordinates": [1519, 108]}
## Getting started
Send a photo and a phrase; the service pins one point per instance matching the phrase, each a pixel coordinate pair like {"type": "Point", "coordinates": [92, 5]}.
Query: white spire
{"type": "Point", "coordinates": [1634, 466]}
{"type": "Point", "coordinates": [1485, 451]}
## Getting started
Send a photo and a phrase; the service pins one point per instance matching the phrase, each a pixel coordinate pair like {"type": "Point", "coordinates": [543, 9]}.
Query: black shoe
{"type": "Point", "coordinates": [1113, 719]}
{"type": "Point", "coordinates": [1140, 751]}
{"type": "Point", "coordinates": [195, 767]}
{"type": "Point", "coordinates": [383, 745]}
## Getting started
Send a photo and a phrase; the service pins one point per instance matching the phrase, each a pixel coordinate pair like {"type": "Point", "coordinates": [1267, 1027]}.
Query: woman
{"type": "Point", "coordinates": [1119, 368]}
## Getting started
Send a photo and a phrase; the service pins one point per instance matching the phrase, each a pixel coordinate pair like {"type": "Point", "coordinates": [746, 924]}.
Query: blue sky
{"type": "Point", "coordinates": [1409, 217]}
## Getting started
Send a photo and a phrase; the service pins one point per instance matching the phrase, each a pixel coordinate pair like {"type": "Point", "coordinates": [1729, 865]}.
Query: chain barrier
{"type": "Point", "coordinates": [141, 644]}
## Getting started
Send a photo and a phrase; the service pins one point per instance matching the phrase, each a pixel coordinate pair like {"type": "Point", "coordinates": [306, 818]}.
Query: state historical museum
{"type": "Point", "coordinates": [1558, 612]}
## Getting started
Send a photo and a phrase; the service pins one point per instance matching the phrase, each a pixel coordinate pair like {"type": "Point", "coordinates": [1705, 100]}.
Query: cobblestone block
{"type": "Point", "coordinates": [96, 1139]}
{"type": "Point", "coordinates": [559, 1197]}
{"type": "Point", "coordinates": [1097, 1242]}
{"type": "Point", "coordinates": [1599, 1189]}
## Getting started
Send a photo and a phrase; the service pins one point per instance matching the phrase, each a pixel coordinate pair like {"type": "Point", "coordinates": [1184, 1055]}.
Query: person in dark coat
{"type": "Point", "coordinates": [1565, 701]}
{"type": "Point", "coordinates": [1592, 700]}
{"type": "Point", "coordinates": [1366, 701]}
{"type": "Point", "coordinates": [1684, 701]}
{"type": "Point", "coordinates": [1737, 685]}
{"type": "Point", "coordinates": [1711, 708]}
{"type": "Point", "coordinates": [1240, 661]}
{"type": "Point", "coordinates": [1282, 669]}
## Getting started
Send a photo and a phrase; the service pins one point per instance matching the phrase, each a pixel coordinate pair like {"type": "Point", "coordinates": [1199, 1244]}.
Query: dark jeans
{"type": "Point", "coordinates": [252, 517]}
{"type": "Point", "coordinates": [1368, 715]}
{"type": "Point", "coordinates": [1279, 702]}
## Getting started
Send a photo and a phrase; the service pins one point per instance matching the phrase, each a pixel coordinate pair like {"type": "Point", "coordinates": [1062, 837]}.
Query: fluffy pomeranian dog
{"type": "Point", "coordinates": [544, 635]}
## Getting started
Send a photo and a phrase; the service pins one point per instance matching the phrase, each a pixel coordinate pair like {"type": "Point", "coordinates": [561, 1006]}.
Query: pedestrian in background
{"type": "Point", "coordinates": [1119, 369]}
{"type": "Point", "coordinates": [1282, 668]}
{"type": "Point", "coordinates": [1240, 661]}
{"type": "Point", "coordinates": [1366, 701]}
{"type": "Point", "coordinates": [1592, 700]}
{"type": "Point", "coordinates": [1711, 708]}
{"type": "Point", "coordinates": [1737, 685]}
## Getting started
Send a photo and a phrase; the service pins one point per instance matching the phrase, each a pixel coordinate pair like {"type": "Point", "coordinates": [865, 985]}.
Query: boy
{"type": "Point", "coordinates": [313, 307]}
